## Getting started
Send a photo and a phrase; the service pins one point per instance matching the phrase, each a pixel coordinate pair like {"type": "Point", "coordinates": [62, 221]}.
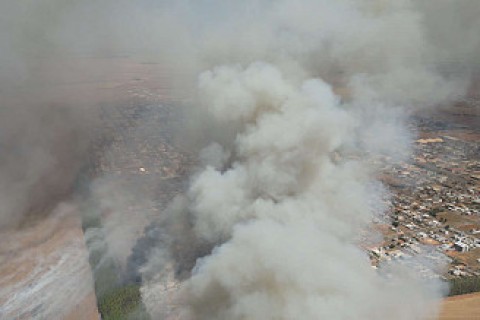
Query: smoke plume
{"type": "Point", "coordinates": [289, 86]}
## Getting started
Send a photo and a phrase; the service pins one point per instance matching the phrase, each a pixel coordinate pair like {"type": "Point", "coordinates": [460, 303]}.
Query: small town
{"type": "Point", "coordinates": [435, 205]}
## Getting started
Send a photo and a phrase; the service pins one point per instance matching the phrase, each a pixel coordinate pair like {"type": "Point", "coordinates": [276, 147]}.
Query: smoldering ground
{"type": "Point", "coordinates": [273, 89]}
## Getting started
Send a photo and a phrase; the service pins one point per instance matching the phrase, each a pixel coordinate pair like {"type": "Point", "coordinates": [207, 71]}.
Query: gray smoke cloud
{"type": "Point", "coordinates": [52, 91]}
{"type": "Point", "coordinates": [284, 217]}
{"type": "Point", "coordinates": [47, 116]}
{"type": "Point", "coordinates": [291, 84]}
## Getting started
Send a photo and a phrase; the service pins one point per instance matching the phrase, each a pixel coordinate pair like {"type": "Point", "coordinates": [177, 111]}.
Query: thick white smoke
{"type": "Point", "coordinates": [292, 84]}
{"type": "Point", "coordinates": [286, 216]}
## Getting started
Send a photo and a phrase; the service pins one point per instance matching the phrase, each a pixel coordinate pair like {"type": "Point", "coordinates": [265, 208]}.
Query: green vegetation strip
{"type": "Point", "coordinates": [464, 285]}
{"type": "Point", "coordinates": [115, 300]}
{"type": "Point", "coordinates": [123, 303]}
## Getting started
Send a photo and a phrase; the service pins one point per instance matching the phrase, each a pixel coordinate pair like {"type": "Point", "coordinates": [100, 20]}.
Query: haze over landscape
{"type": "Point", "coordinates": [239, 160]}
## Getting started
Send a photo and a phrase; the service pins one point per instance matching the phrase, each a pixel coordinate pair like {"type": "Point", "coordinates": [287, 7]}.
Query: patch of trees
{"type": "Point", "coordinates": [116, 299]}
{"type": "Point", "coordinates": [464, 285]}
{"type": "Point", "coordinates": [123, 303]}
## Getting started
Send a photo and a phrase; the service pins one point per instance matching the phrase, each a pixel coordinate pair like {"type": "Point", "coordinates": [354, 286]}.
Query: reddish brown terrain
{"type": "Point", "coordinates": [44, 270]}
{"type": "Point", "coordinates": [464, 307]}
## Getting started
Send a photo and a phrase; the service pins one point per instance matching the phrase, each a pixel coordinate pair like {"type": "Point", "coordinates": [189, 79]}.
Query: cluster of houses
{"type": "Point", "coordinates": [435, 207]}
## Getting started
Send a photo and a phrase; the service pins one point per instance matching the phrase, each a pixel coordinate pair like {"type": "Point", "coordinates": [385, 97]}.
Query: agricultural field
{"type": "Point", "coordinates": [464, 307]}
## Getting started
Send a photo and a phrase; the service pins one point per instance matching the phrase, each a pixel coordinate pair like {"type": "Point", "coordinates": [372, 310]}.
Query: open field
{"type": "Point", "coordinates": [44, 271]}
{"type": "Point", "coordinates": [461, 307]}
